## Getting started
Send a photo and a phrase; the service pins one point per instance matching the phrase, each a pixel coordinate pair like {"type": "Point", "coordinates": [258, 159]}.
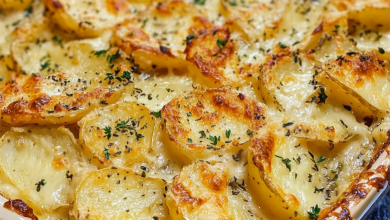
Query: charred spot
{"type": "Point", "coordinates": [41, 101]}
{"type": "Point", "coordinates": [20, 207]}
{"type": "Point", "coordinates": [318, 29]}
{"type": "Point", "coordinates": [57, 4]}
{"type": "Point", "coordinates": [368, 120]}
{"type": "Point", "coordinates": [241, 96]}
{"type": "Point", "coordinates": [218, 100]}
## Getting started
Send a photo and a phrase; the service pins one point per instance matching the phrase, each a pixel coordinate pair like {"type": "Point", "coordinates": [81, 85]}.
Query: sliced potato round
{"type": "Point", "coordinates": [14, 5]}
{"type": "Point", "coordinates": [87, 18]}
{"type": "Point", "coordinates": [44, 165]}
{"type": "Point", "coordinates": [119, 134]}
{"type": "Point", "coordinates": [208, 122]}
{"type": "Point", "coordinates": [362, 75]}
{"type": "Point", "coordinates": [39, 100]}
{"type": "Point", "coordinates": [200, 192]}
{"type": "Point", "coordinates": [292, 174]}
{"type": "Point", "coordinates": [120, 194]}
{"type": "Point", "coordinates": [313, 112]}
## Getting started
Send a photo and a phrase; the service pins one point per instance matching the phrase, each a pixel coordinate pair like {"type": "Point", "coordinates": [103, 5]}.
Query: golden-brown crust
{"type": "Point", "coordinates": [185, 197]}
{"type": "Point", "coordinates": [205, 51]}
{"type": "Point", "coordinates": [24, 101]}
{"type": "Point", "coordinates": [263, 151]}
{"type": "Point", "coordinates": [21, 208]}
{"type": "Point", "coordinates": [206, 109]}
{"type": "Point", "coordinates": [357, 68]}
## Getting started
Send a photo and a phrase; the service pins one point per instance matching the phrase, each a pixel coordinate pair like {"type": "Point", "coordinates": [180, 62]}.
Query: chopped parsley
{"type": "Point", "coordinates": [214, 139]}
{"type": "Point", "coordinates": [189, 114]}
{"type": "Point", "coordinates": [227, 133]}
{"type": "Point", "coordinates": [45, 65]}
{"type": "Point", "coordinates": [190, 37]}
{"type": "Point", "coordinates": [286, 162]}
{"type": "Point", "coordinates": [100, 53]}
{"type": "Point", "coordinates": [287, 124]}
{"type": "Point", "coordinates": [320, 159]}
{"type": "Point", "coordinates": [221, 43]}
{"type": "Point", "coordinates": [249, 132]}
{"type": "Point", "coordinates": [203, 135]}
{"type": "Point", "coordinates": [39, 184]}
{"type": "Point", "coordinates": [281, 45]}
{"type": "Point", "coordinates": [322, 96]}
{"type": "Point", "coordinates": [190, 140]}
{"type": "Point", "coordinates": [57, 40]}
{"type": "Point", "coordinates": [318, 190]}
{"type": "Point", "coordinates": [314, 212]}
{"type": "Point", "coordinates": [107, 132]}
{"type": "Point", "coordinates": [139, 136]}
{"type": "Point", "coordinates": [199, 2]}
{"type": "Point", "coordinates": [106, 153]}
{"type": "Point", "coordinates": [335, 177]}
{"type": "Point", "coordinates": [233, 3]}
{"type": "Point", "coordinates": [112, 57]}
{"type": "Point", "coordinates": [126, 75]}
{"type": "Point", "coordinates": [381, 50]}
{"type": "Point", "coordinates": [156, 114]}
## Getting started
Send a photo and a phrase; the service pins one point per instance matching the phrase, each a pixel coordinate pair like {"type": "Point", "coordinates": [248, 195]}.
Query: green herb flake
{"type": "Point", "coordinates": [106, 153]}
{"type": "Point", "coordinates": [203, 135]}
{"type": "Point", "coordinates": [281, 45]}
{"type": "Point", "coordinates": [45, 65]}
{"type": "Point", "coordinates": [321, 159]}
{"type": "Point", "coordinates": [107, 132]}
{"type": "Point", "coordinates": [286, 162]}
{"type": "Point", "coordinates": [39, 184]}
{"type": "Point", "coordinates": [221, 43]}
{"type": "Point", "coordinates": [227, 133]}
{"type": "Point", "coordinates": [100, 53]}
{"type": "Point", "coordinates": [322, 96]}
{"type": "Point", "coordinates": [381, 50]}
{"type": "Point", "coordinates": [156, 114]}
{"type": "Point", "coordinates": [214, 139]}
{"type": "Point", "coordinates": [189, 114]}
{"type": "Point", "coordinates": [199, 2]}
{"type": "Point", "coordinates": [112, 57]}
{"type": "Point", "coordinates": [342, 122]}
{"type": "Point", "coordinates": [190, 140]}
{"type": "Point", "coordinates": [287, 124]}
{"type": "Point", "coordinates": [314, 212]}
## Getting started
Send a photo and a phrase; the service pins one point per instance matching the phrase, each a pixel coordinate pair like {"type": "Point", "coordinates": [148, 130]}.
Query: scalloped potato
{"type": "Point", "coordinates": [119, 134]}
{"type": "Point", "coordinates": [120, 194]}
{"type": "Point", "coordinates": [44, 165]}
{"type": "Point", "coordinates": [208, 122]}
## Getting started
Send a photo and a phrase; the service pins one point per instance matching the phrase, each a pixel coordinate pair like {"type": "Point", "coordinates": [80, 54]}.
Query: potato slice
{"type": "Point", "coordinates": [329, 38]}
{"type": "Point", "coordinates": [44, 165]}
{"type": "Point", "coordinates": [87, 19]}
{"type": "Point", "coordinates": [363, 75]}
{"type": "Point", "coordinates": [119, 134]}
{"type": "Point", "coordinates": [6, 5]}
{"type": "Point", "coordinates": [79, 76]}
{"type": "Point", "coordinates": [203, 122]}
{"type": "Point", "coordinates": [39, 100]}
{"type": "Point", "coordinates": [289, 80]}
{"type": "Point", "coordinates": [260, 19]}
{"type": "Point", "coordinates": [369, 25]}
{"type": "Point", "coordinates": [289, 172]}
{"type": "Point", "coordinates": [199, 192]}
{"type": "Point", "coordinates": [120, 194]}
